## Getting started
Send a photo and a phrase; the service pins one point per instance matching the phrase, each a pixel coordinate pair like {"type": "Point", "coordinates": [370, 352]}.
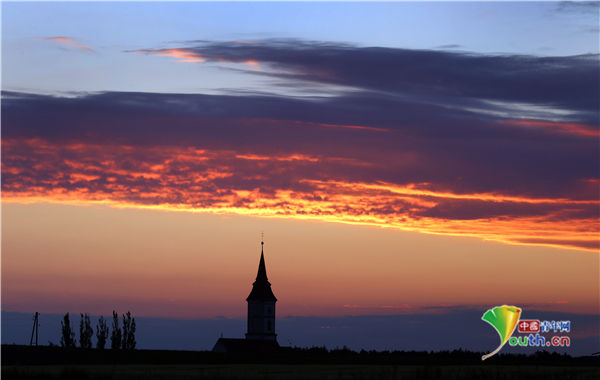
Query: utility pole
{"type": "Point", "coordinates": [35, 329]}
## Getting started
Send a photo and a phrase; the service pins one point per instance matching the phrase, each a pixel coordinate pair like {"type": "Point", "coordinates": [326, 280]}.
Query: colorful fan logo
{"type": "Point", "coordinates": [504, 320]}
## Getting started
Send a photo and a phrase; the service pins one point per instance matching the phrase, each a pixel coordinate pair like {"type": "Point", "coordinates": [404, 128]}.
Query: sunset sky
{"type": "Point", "coordinates": [400, 158]}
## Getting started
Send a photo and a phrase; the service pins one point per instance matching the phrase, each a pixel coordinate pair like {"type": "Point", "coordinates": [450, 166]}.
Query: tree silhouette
{"type": "Point", "coordinates": [125, 333]}
{"type": "Point", "coordinates": [115, 338]}
{"type": "Point", "coordinates": [128, 338]}
{"type": "Point", "coordinates": [132, 335]}
{"type": "Point", "coordinates": [68, 336]}
{"type": "Point", "coordinates": [101, 333]}
{"type": "Point", "coordinates": [85, 332]}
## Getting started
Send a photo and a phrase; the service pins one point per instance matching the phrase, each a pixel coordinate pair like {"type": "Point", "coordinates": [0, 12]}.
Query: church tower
{"type": "Point", "coordinates": [261, 306]}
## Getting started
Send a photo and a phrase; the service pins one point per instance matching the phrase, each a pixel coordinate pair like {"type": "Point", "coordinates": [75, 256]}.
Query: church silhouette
{"type": "Point", "coordinates": [260, 335]}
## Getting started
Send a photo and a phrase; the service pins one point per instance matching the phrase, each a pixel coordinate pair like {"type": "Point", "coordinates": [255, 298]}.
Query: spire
{"type": "Point", "coordinates": [261, 288]}
{"type": "Point", "coordinates": [262, 269]}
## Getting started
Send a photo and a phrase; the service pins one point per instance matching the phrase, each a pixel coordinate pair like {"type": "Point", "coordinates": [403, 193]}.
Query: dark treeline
{"type": "Point", "coordinates": [32, 355]}
{"type": "Point", "coordinates": [322, 355]}
{"type": "Point", "coordinates": [121, 338]}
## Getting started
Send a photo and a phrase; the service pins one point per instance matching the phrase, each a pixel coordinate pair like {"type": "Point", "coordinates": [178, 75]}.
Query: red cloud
{"type": "Point", "coordinates": [296, 186]}
{"type": "Point", "coordinates": [555, 126]}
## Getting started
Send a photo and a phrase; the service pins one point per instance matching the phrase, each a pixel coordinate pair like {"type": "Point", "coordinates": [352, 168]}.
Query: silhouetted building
{"type": "Point", "coordinates": [261, 306]}
{"type": "Point", "coordinates": [245, 346]}
{"type": "Point", "coordinates": [261, 334]}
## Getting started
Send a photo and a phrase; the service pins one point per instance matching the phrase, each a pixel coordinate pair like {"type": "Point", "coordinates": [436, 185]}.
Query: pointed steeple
{"type": "Point", "coordinates": [262, 269]}
{"type": "Point", "coordinates": [261, 288]}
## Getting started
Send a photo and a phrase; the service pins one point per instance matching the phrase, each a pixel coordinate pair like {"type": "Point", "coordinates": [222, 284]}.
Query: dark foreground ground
{"type": "Point", "coordinates": [297, 371]}
{"type": "Point", "coordinates": [22, 362]}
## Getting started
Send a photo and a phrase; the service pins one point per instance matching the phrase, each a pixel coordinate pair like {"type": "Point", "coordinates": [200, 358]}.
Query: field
{"type": "Point", "coordinates": [279, 371]}
{"type": "Point", "coordinates": [43, 362]}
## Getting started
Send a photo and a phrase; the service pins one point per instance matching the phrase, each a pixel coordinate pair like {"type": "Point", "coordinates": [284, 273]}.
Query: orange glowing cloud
{"type": "Point", "coordinates": [297, 186]}
{"type": "Point", "coordinates": [181, 55]}
{"type": "Point", "coordinates": [291, 157]}
{"type": "Point", "coordinates": [561, 127]}
{"type": "Point", "coordinates": [68, 41]}
{"type": "Point", "coordinates": [62, 40]}
{"type": "Point", "coordinates": [190, 55]}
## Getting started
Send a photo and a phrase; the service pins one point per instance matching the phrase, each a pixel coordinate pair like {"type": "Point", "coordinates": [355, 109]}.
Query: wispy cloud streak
{"type": "Point", "coordinates": [456, 79]}
{"type": "Point", "coordinates": [181, 55]}
{"type": "Point", "coordinates": [67, 41]}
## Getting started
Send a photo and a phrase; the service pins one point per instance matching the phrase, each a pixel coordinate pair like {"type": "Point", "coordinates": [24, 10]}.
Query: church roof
{"type": "Point", "coordinates": [261, 288]}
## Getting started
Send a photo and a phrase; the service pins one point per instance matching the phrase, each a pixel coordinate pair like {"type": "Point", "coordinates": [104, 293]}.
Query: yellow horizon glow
{"type": "Point", "coordinates": [488, 230]}
{"type": "Point", "coordinates": [159, 263]}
